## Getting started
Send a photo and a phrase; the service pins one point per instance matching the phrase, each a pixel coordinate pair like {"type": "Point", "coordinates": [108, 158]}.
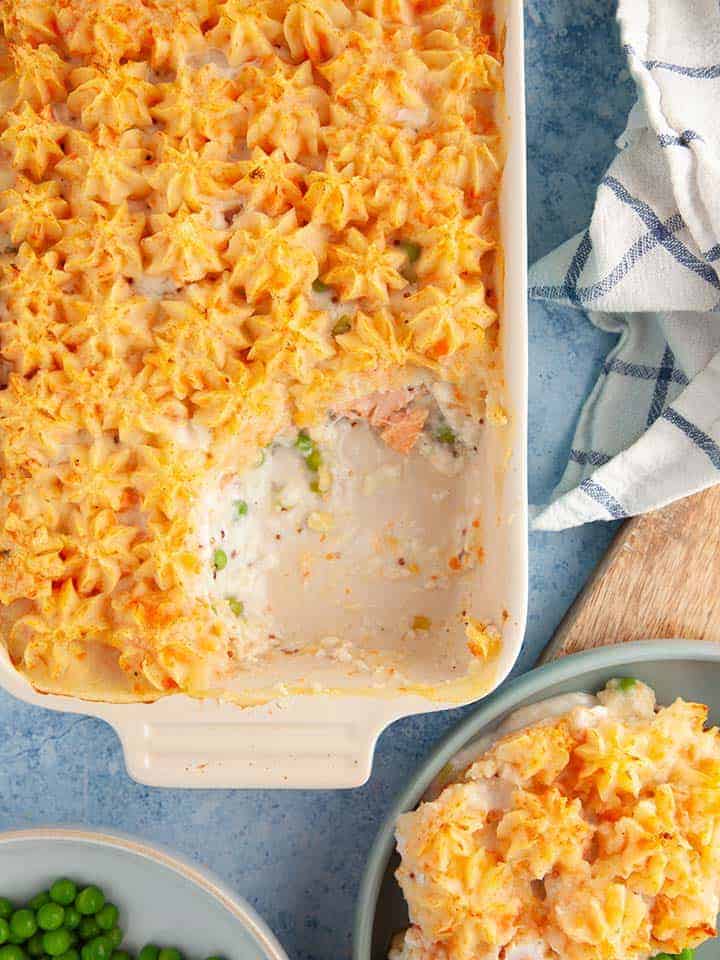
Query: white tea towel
{"type": "Point", "coordinates": [648, 268]}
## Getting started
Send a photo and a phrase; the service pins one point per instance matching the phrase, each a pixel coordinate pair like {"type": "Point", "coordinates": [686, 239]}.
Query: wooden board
{"type": "Point", "coordinates": [660, 579]}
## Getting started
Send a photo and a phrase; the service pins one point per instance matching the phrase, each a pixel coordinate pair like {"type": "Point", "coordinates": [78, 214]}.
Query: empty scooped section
{"type": "Point", "coordinates": [344, 559]}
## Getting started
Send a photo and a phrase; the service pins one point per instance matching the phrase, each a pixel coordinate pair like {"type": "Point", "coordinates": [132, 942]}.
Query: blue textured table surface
{"type": "Point", "coordinates": [298, 856]}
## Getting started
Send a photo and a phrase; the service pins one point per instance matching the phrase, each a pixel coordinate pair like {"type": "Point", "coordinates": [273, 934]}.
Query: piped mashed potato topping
{"type": "Point", "coordinates": [593, 835]}
{"type": "Point", "coordinates": [222, 222]}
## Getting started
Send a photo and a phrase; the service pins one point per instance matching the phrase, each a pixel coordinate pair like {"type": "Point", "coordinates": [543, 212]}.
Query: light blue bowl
{"type": "Point", "coordinates": [161, 899]}
{"type": "Point", "coordinates": [674, 668]}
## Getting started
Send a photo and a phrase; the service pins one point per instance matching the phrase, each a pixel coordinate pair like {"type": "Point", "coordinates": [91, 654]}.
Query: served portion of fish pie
{"type": "Point", "coordinates": [590, 835]}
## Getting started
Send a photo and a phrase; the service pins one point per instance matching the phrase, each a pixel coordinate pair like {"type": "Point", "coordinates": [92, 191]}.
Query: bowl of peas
{"type": "Point", "coordinates": [72, 895]}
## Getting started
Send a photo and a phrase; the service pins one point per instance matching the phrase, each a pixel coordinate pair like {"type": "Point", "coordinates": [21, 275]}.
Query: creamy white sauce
{"type": "Point", "coordinates": [493, 794]}
{"type": "Point", "coordinates": [274, 510]}
{"type": "Point", "coordinates": [544, 710]}
{"type": "Point", "coordinates": [335, 309]}
{"type": "Point", "coordinates": [413, 118]}
{"type": "Point", "coordinates": [444, 457]}
{"type": "Point", "coordinates": [155, 288]}
{"type": "Point", "coordinates": [529, 950]}
{"type": "Point", "coordinates": [464, 425]}
{"type": "Point", "coordinates": [216, 58]}
{"type": "Point", "coordinates": [192, 436]}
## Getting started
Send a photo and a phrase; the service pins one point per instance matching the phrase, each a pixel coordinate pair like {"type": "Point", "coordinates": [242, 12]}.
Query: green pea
{"type": "Point", "coordinates": [6, 908]}
{"type": "Point", "coordinates": [445, 434]}
{"type": "Point", "coordinates": [90, 900]}
{"type": "Point", "coordinates": [170, 953]}
{"type": "Point", "coordinates": [99, 948]}
{"type": "Point", "coordinates": [16, 938]}
{"type": "Point", "coordinates": [70, 954]}
{"type": "Point", "coordinates": [412, 250]}
{"type": "Point", "coordinates": [50, 916]}
{"type": "Point", "coordinates": [115, 936]}
{"type": "Point", "coordinates": [63, 891]}
{"type": "Point", "coordinates": [35, 946]}
{"type": "Point", "coordinates": [23, 924]}
{"type": "Point", "coordinates": [4, 930]}
{"type": "Point", "coordinates": [149, 952]}
{"type": "Point", "coordinates": [12, 952]}
{"type": "Point", "coordinates": [627, 683]}
{"type": "Point", "coordinates": [319, 287]}
{"type": "Point", "coordinates": [88, 928]}
{"type": "Point", "coordinates": [39, 900]}
{"type": "Point", "coordinates": [220, 559]}
{"type": "Point", "coordinates": [304, 443]}
{"type": "Point", "coordinates": [57, 942]}
{"type": "Point", "coordinates": [343, 325]}
{"type": "Point", "coordinates": [120, 955]}
{"type": "Point", "coordinates": [215, 958]}
{"type": "Point", "coordinates": [241, 508]}
{"type": "Point", "coordinates": [107, 918]}
{"type": "Point", "coordinates": [72, 918]}
{"type": "Point", "coordinates": [237, 606]}
{"type": "Point", "coordinates": [314, 460]}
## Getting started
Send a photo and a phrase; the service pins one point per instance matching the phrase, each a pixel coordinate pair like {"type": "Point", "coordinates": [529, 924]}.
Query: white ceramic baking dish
{"type": "Point", "coordinates": [327, 740]}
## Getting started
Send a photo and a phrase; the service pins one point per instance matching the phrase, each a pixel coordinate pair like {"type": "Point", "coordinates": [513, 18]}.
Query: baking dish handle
{"type": "Point", "coordinates": [290, 745]}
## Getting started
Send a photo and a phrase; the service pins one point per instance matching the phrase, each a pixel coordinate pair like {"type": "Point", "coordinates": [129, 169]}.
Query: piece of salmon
{"type": "Point", "coordinates": [390, 412]}
{"type": "Point", "coordinates": [376, 407]}
{"type": "Point", "coordinates": [404, 428]}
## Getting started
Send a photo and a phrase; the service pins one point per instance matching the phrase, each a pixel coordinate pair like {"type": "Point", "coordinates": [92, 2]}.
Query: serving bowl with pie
{"type": "Point", "coordinates": [263, 358]}
{"type": "Point", "coordinates": [574, 815]}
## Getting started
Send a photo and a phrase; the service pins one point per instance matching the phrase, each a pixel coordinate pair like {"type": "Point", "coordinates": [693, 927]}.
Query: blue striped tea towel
{"type": "Point", "coordinates": [647, 268]}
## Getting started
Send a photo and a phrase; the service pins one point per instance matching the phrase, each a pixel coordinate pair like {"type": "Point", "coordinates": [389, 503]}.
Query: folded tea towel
{"type": "Point", "coordinates": [648, 268]}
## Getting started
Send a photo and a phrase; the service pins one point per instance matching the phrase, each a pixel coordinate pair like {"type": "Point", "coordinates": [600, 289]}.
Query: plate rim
{"type": "Point", "coordinates": [200, 876]}
{"type": "Point", "coordinates": [505, 698]}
